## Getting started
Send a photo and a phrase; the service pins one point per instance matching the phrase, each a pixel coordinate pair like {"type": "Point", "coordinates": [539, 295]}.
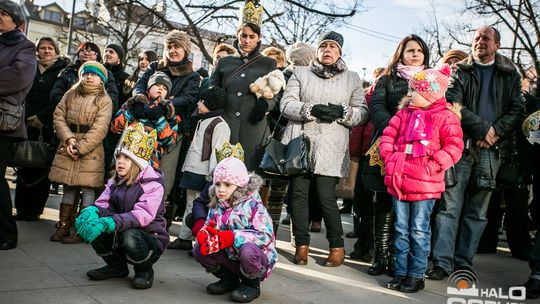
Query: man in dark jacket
{"type": "Point", "coordinates": [113, 58]}
{"type": "Point", "coordinates": [488, 86]}
{"type": "Point", "coordinates": [18, 66]}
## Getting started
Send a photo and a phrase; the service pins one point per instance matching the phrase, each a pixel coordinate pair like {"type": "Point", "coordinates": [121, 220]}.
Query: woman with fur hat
{"type": "Point", "coordinates": [126, 225]}
{"type": "Point", "coordinates": [183, 93]}
{"type": "Point", "coordinates": [322, 101]}
{"type": "Point", "coordinates": [33, 184]}
{"type": "Point", "coordinates": [236, 244]}
{"type": "Point", "coordinates": [18, 66]}
{"type": "Point", "coordinates": [81, 121]}
{"type": "Point", "coordinates": [420, 143]}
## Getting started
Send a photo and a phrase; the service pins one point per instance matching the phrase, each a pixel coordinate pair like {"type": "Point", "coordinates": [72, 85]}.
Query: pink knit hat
{"type": "Point", "coordinates": [231, 170]}
{"type": "Point", "coordinates": [432, 83]}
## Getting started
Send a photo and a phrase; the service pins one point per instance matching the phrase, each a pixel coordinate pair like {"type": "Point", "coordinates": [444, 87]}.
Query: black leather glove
{"type": "Point", "coordinates": [137, 110]}
{"type": "Point", "coordinates": [258, 112]}
{"type": "Point", "coordinates": [156, 112]}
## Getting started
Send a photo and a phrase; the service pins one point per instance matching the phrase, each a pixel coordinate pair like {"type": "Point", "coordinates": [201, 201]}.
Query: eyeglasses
{"type": "Point", "coordinates": [89, 52]}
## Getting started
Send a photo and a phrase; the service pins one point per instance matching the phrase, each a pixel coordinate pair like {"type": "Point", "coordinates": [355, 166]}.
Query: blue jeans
{"type": "Point", "coordinates": [453, 247]}
{"type": "Point", "coordinates": [412, 236]}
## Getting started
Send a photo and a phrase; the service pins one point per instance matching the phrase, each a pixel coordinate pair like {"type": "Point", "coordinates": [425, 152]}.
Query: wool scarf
{"type": "Point", "coordinates": [408, 71]}
{"type": "Point", "coordinates": [327, 71]}
{"type": "Point", "coordinates": [419, 131]}
{"type": "Point", "coordinates": [43, 64]}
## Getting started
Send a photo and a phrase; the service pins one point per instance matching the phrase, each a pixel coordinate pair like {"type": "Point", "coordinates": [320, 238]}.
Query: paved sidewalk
{"type": "Point", "coordinates": [40, 271]}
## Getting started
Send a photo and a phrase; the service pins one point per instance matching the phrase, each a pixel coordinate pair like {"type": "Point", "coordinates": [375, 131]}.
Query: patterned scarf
{"type": "Point", "coordinates": [328, 71]}
{"type": "Point", "coordinates": [419, 131]}
{"type": "Point", "coordinates": [408, 71]}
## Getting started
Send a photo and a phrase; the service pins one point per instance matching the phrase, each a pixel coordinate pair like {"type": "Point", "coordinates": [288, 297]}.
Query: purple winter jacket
{"type": "Point", "coordinates": [17, 71]}
{"type": "Point", "coordinates": [140, 205]}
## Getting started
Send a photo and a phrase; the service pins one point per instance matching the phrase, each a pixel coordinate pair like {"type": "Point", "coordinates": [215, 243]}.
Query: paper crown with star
{"type": "Point", "coordinates": [228, 150]}
{"type": "Point", "coordinates": [137, 144]}
{"type": "Point", "coordinates": [252, 14]}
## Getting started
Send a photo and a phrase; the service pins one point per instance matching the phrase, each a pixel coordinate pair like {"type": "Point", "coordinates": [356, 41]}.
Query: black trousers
{"type": "Point", "coordinates": [363, 212]}
{"type": "Point", "coordinates": [8, 226]}
{"type": "Point", "coordinates": [325, 187]}
{"type": "Point", "coordinates": [134, 246]}
{"type": "Point", "coordinates": [516, 222]}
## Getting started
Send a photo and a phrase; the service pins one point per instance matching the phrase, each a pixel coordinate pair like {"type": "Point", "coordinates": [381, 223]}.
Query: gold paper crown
{"type": "Point", "coordinates": [252, 14]}
{"type": "Point", "coordinates": [139, 142]}
{"type": "Point", "coordinates": [228, 150]}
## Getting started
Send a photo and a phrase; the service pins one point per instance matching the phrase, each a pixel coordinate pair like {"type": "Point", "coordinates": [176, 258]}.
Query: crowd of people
{"type": "Point", "coordinates": [435, 149]}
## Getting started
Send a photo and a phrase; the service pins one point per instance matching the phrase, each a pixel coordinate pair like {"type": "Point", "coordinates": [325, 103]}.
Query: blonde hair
{"type": "Point", "coordinates": [130, 177]}
{"type": "Point", "coordinates": [223, 47]}
{"type": "Point", "coordinates": [274, 51]}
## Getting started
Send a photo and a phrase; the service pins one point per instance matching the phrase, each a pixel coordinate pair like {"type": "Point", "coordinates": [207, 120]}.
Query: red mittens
{"type": "Point", "coordinates": [197, 226]}
{"type": "Point", "coordinates": [212, 240]}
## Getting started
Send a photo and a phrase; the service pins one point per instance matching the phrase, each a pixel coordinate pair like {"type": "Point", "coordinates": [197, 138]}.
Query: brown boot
{"type": "Point", "coordinates": [72, 238]}
{"type": "Point", "coordinates": [62, 227]}
{"type": "Point", "coordinates": [336, 257]}
{"type": "Point", "coordinates": [301, 255]}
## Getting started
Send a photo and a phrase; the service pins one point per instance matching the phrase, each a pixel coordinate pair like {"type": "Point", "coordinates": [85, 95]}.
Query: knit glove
{"type": "Point", "coordinates": [138, 110]}
{"type": "Point", "coordinates": [96, 227]}
{"type": "Point", "coordinates": [225, 238]}
{"type": "Point", "coordinates": [335, 111]}
{"type": "Point", "coordinates": [197, 226]}
{"type": "Point", "coordinates": [87, 214]}
{"type": "Point", "coordinates": [258, 112]}
{"type": "Point", "coordinates": [327, 113]}
{"type": "Point", "coordinates": [208, 243]}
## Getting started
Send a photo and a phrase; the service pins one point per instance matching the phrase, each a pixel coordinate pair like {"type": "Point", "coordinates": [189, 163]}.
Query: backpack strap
{"type": "Point", "coordinates": [207, 139]}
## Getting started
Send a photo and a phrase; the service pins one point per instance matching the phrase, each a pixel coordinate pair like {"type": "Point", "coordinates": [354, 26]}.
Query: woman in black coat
{"type": "Point", "coordinates": [33, 185]}
{"type": "Point", "coordinates": [17, 69]}
{"type": "Point", "coordinates": [410, 57]}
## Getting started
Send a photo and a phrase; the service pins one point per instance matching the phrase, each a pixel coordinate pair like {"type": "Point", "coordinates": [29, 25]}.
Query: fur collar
{"type": "Point", "coordinates": [452, 107]}
{"type": "Point", "coordinates": [183, 68]}
{"type": "Point", "coordinates": [502, 63]}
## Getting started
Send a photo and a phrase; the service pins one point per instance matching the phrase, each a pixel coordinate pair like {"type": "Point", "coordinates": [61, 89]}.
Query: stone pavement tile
{"type": "Point", "coordinates": [67, 295]}
{"type": "Point", "coordinates": [30, 278]}
{"type": "Point", "coordinates": [16, 258]}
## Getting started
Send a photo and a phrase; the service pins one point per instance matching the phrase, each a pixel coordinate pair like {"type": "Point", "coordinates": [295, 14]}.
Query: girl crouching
{"type": "Point", "coordinates": [126, 225]}
{"type": "Point", "coordinates": [236, 244]}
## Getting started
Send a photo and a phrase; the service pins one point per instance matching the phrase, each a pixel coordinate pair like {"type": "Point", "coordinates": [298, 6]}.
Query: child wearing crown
{"type": "Point", "coordinates": [126, 225]}
{"type": "Point", "coordinates": [154, 111]}
{"type": "Point", "coordinates": [211, 131]}
{"type": "Point", "coordinates": [81, 120]}
{"type": "Point", "coordinates": [236, 244]}
{"type": "Point", "coordinates": [419, 144]}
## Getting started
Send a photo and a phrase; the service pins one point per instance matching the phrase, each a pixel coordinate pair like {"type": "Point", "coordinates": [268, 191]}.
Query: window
{"type": "Point", "coordinates": [158, 48]}
{"type": "Point", "coordinates": [205, 64]}
{"type": "Point", "coordinates": [79, 22]}
{"type": "Point", "coordinates": [52, 16]}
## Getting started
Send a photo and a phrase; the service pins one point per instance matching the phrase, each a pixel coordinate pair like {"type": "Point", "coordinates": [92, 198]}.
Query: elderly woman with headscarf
{"type": "Point", "coordinates": [322, 101]}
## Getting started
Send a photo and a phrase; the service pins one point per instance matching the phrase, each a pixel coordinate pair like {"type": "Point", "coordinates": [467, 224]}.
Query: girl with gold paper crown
{"type": "Point", "coordinates": [127, 224]}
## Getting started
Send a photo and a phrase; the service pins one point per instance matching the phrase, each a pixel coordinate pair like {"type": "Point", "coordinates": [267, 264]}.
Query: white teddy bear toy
{"type": "Point", "coordinates": [269, 85]}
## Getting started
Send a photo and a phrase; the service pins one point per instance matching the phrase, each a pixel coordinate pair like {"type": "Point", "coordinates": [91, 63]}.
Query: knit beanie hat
{"type": "Point", "coordinates": [300, 54]}
{"type": "Point", "coordinates": [231, 170]}
{"type": "Point", "coordinates": [161, 78]}
{"type": "Point", "coordinates": [432, 83]}
{"type": "Point", "coordinates": [119, 51]}
{"type": "Point", "coordinates": [331, 36]}
{"type": "Point", "coordinates": [214, 98]}
{"type": "Point", "coordinates": [92, 46]}
{"type": "Point", "coordinates": [460, 55]}
{"type": "Point", "coordinates": [94, 67]}
{"type": "Point", "coordinates": [179, 38]}
{"type": "Point", "coordinates": [14, 10]}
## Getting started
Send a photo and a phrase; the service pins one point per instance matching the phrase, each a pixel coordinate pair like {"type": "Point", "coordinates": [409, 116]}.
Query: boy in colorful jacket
{"type": "Point", "coordinates": [419, 144]}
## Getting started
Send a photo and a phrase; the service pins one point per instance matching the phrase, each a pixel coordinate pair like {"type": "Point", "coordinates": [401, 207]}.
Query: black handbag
{"type": "Point", "coordinates": [30, 154]}
{"type": "Point", "coordinates": [373, 168]}
{"type": "Point", "coordinates": [286, 159]}
{"type": "Point", "coordinates": [10, 114]}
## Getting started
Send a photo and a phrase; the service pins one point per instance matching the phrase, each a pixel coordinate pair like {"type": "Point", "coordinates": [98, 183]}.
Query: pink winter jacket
{"type": "Point", "coordinates": [411, 178]}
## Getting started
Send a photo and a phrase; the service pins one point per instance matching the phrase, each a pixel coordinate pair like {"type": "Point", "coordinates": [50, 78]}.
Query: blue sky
{"type": "Point", "coordinates": [396, 18]}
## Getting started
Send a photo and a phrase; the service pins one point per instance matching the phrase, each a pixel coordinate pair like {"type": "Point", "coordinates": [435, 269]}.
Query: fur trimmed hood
{"type": "Point", "coordinates": [240, 194]}
{"type": "Point", "coordinates": [453, 107]}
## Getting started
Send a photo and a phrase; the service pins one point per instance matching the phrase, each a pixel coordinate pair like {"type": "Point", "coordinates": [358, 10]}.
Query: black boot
{"type": "Point", "coordinates": [143, 279]}
{"type": "Point", "coordinates": [249, 290]}
{"type": "Point", "coordinates": [383, 228]}
{"type": "Point", "coordinates": [228, 281]}
{"type": "Point", "coordinates": [107, 272]}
